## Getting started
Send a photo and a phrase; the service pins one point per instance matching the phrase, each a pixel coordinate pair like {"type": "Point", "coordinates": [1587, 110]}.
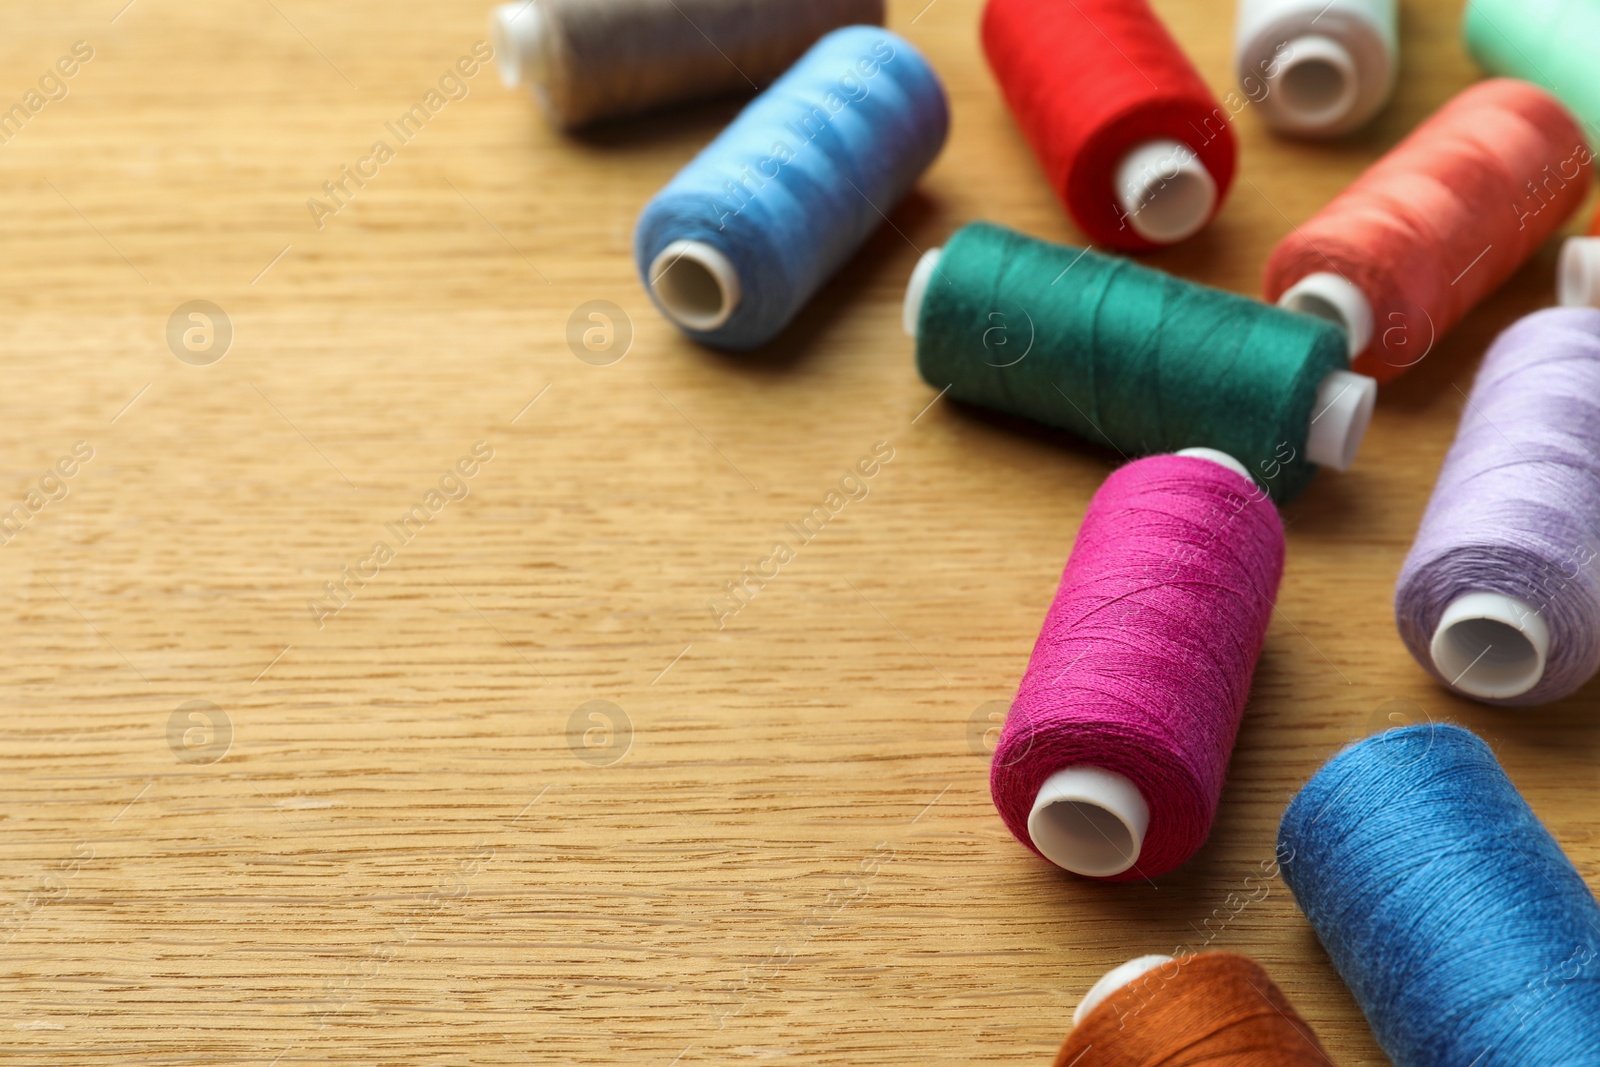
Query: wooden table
{"type": "Point", "coordinates": [395, 829]}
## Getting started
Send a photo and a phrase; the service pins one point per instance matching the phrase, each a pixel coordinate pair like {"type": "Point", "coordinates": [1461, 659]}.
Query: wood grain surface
{"type": "Point", "coordinates": [399, 832]}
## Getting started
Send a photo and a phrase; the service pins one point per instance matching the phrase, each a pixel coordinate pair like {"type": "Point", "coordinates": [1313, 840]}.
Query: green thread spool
{"type": "Point", "coordinates": [1548, 42]}
{"type": "Point", "coordinates": [1125, 356]}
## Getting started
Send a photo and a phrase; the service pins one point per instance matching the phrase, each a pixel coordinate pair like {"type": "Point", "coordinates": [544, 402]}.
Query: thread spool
{"type": "Point", "coordinates": [1129, 136]}
{"type": "Point", "coordinates": [1216, 1008]}
{"type": "Point", "coordinates": [1578, 275]}
{"type": "Point", "coordinates": [1112, 760]}
{"type": "Point", "coordinates": [1130, 357]}
{"type": "Point", "coordinates": [1437, 224]}
{"type": "Point", "coordinates": [1317, 69]}
{"type": "Point", "coordinates": [590, 60]}
{"type": "Point", "coordinates": [1464, 933]}
{"type": "Point", "coordinates": [746, 234]}
{"type": "Point", "coordinates": [1547, 42]}
{"type": "Point", "coordinates": [1499, 597]}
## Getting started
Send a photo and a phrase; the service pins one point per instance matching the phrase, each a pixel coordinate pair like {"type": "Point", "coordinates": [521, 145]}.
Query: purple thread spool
{"type": "Point", "coordinates": [1500, 597]}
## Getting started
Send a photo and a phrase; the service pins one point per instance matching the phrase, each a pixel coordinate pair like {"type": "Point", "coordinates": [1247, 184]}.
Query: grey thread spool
{"type": "Point", "coordinates": [588, 60]}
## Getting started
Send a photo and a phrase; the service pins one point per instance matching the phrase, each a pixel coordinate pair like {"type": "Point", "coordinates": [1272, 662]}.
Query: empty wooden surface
{"type": "Point", "coordinates": [398, 833]}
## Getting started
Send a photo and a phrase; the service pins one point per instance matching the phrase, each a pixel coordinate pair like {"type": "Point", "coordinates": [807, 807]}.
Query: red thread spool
{"type": "Point", "coordinates": [1438, 224]}
{"type": "Point", "coordinates": [1130, 137]}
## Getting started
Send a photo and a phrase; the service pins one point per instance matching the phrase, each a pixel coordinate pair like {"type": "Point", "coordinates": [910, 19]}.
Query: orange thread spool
{"type": "Point", "coordinates": [1211, 1010]}
{"type": "Point", "coordinates": [1442, 221]}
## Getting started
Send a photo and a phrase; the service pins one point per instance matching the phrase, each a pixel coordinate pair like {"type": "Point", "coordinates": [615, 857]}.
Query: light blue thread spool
{"type": "Point", "coordinates": [746, 234]}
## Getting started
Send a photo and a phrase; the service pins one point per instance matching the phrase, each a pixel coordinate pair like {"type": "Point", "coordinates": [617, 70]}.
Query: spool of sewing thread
{"type": "Point", "coordinates": [1129, 357]}
{"type": "Point", "coordinates": [745, 235]}
{"type": "Point", "coordinates": [1578, 277]}
{"type": "Point", "coordinates": [1436, 225]}
{"type": "Point", "coordinates": [1499, 597]}
{"type": "Point", "coordinates": [1317, 69]}
{"type": "Point", "coordinates": [1547, 42]}
{"type": "Point", "coordinates": [588, 60]}
{"type": "Point", "coordinates": [1215, 1008]}
{"type": "Point", "coordinates": [1112, 760]}
{"type": "Point", "coordinates": [1465, 934]}
{"type": "Point", "coordinates": [1131, 139]}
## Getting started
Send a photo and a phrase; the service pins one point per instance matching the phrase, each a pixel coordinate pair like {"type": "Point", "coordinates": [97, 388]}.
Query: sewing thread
{"type": "Point", "coordinates": [746, 234]}
{"type": "Point", "coordinates": [1143, 664]}
{"type": "Point", "coordinates": [1129, 136]}
{"type": "Point", "coordinates": [1440, 222]}
{"type": "Point", "coordinates": [1127, 357]}
{"type": "Point", "coordinates": [1217, 1008]}
{"type": "Point", "coordinates": [1547, 42]}
{"type": "Point", "coordinates": [1317, 69]}
{"type": "Point", "coordinates": [591, 60]}
{"type": "Point", "coordinates": [1465, 934]}
{"type": "Point", "coordinates": [1516, 513]}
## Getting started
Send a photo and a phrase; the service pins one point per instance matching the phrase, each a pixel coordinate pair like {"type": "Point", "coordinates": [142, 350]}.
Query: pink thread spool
{"type": "Point", "coordinates": [1113, 758]}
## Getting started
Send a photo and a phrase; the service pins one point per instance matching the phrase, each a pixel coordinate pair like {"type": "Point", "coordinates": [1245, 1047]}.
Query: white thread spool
{"type": "Point", "coordinates": [1578, 278]}
{"type": "Point", "coordinates": [1315, 68]}
{"type": "Point", "coordinates": [1117, 978]}
{"type": "Point", "coordinates": [1165, 192]}
{"type": "Point", "coordinates": [520, 34]}
{"type": "Point", "coordinates": [1339, 419]}
{"type": "Point", "coordinates": [1491, 646]}
{"type": "Point", "coordinates": [695, 285]}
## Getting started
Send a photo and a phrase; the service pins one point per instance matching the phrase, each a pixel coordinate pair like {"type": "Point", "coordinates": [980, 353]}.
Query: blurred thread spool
{"type": "Point", "coordinates": [589, 60]}
{"type": "Point", "coordinates": [1465, 934]}
{"type": "Point", "coordinates": [1129, 136]}
{"type": "Point", "coordinates": [1499, 597]}
{"type": "Point", "coordinates": [1124, 356]}
{"type": "Point", "coordinates": [1215, 1009]}
{"type": "Point", "coordinates": [1548, 42]}
{"type": "Point", "coordinates": [1323, 69]}
{"type": "Point", "coordinates": [1578, 276]}
{"type": "Point", "coordinates": [746, 234]}
{"type": "Point", "coordinates": [1437, 224]}
{"type": "Point", "coordinates": [1112, 760]}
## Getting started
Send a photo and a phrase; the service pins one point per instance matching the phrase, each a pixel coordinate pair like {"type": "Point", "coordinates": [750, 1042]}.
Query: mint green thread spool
{"type": "Point", "coordinates": [1548, 42]}
{"type": "Point", "coordinates": [1132, 359]}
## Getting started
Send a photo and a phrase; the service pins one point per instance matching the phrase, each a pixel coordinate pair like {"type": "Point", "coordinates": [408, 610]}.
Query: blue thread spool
{"type": "Point", "coordinates": [1464, 932]}
{"type": "Point", "coordinates": [746, 234]}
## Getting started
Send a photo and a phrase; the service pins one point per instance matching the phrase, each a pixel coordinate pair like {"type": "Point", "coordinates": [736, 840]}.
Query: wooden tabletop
{"type": "Point", "coordinates": [523, 793]}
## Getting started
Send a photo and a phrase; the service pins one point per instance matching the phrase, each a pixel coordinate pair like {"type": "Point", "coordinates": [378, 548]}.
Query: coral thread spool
{"type": "Point", "coordinates": [1463, 932]}
{"type": "Point", "coordinates": [1130, 138]}
{"type": "Point", "coordinates": [1498, 597]}
{"type": "Point", "coordinates": [1437, 224]}
{"type": "Point", "coordinates": [1112, 761]}
{"type": "Point", "coordinates": [1215, 1008]}
{"type": "Point", "coordinates": [590, 60]}
{"type": "Point", "coordinates": [1322, 69]}
{"type": "Point", "coordinates": [1123, 355]}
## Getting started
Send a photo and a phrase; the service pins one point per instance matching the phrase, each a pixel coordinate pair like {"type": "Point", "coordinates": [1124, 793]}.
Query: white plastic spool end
{"type": "Point", "coordinates": [1578, 284]}
{"type": "Point", "coordinates": [695, 284]}
{"type": "Point", "coordinates": [1491, 646]}
{"type": "Point", "coordinates": [1317, 85]}
{"type": "Point", "coordinates": [1340, 419]}
{"type": "Point", "coordinates": [1330, 296]}
{"type": "Point", "coordinates": [917, 290]}
{"type": "Point", "coordinates": [1222, 459]}
{"type": "Point", "coordinates": [1089, 821]}
{"type": "Point", "coordinates": [1113, 980]}
{"type": "Point", "coordinates": [518, 32]}
{"type": "Point", "coordinates": [1165, 192]}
